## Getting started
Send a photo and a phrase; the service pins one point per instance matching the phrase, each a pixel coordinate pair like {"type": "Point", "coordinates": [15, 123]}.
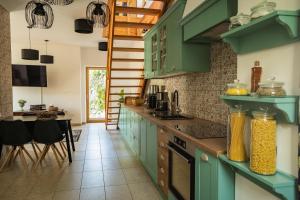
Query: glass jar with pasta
{"type": "Point", "coordinates": [263, 143]}
{"type": "Point", "coordinates": [236, 150]}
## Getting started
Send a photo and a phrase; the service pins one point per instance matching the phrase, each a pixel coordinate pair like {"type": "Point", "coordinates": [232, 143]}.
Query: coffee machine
{"type": "Point", "coordinates": [162, 100]}
{"type": "Point", "coordinates": [152, 97]}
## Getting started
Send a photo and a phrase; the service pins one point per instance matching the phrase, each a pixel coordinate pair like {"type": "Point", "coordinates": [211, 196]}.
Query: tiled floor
{"type": "Point", "coordinates": [103, 168]}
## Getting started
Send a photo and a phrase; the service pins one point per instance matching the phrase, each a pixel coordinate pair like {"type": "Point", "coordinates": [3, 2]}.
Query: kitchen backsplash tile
{"type": "Point", "coordinates": [5, 65]}
{"type": "Point", "coordinates": [199, 92]}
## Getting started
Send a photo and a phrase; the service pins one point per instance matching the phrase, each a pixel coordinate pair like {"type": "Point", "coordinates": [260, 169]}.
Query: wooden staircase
{"type": "Point", "coordinates": [125, 59]}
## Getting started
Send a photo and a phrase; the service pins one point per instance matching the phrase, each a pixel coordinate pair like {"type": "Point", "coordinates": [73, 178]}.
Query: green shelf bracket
{"type": "Point", "coordinates": [281, 184]}
{"type": "Point", "coordinates": [286, 108]}
{"type": "Point", "coordinates": [275, 29]}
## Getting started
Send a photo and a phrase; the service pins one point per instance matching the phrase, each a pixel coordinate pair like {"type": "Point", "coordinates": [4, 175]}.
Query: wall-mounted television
{"type": "Point", "coordinates": [29, 75]}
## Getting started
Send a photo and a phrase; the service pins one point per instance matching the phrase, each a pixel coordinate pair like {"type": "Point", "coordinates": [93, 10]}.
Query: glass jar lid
{"type": "Point", "coordinates": [271, 83]}
{"type": "Point", "coordinates": [264, 4]}
{"type": "Point", "coordinates": [237, 84]}
{"type": "Point", "coordinates": [263, 115]}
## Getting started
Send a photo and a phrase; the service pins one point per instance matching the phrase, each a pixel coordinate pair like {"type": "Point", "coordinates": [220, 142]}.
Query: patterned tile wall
{"type": "Point", "coordinates": [5, 65]}
{"type": "Point", "coordinates": [199, 92]}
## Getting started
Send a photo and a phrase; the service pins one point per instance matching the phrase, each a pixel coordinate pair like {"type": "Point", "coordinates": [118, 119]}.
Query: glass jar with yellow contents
{"type": "Point", "coordinates": [263, 143]}
{"type": "Point", "coordinates": [236, 149]}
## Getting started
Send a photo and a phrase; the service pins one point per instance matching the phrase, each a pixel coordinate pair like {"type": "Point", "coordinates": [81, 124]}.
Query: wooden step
{"type": "Point", "coordinates": [112, 119]}
{"type": "Point", "coordinates": [128, 93]}
{"type": "Point", "coordinates": [126, 78]}
{"type": "Point", "coordinates": [135, 10]}
{"type": "Point", "coordinates": [119, 24]}
{"type": "Point", "coordinates": [128, 37]}
{"type": "Point", "coordinates": [115, 101]}
{"type": "Point", "coordinates": [127, 69]}
{"type": "Point", "coordinates": [125, 49]}
{"type": "Point", "coordinates": [114, 107]}
{"type": "Point", "coordinates": [112, 113]}
{"type": "Point", "coordinates": [111, 124]}
{"type": "Point", "coordinates": [126, 86]}
{"type": "Point", "coordinates": [127, 60]}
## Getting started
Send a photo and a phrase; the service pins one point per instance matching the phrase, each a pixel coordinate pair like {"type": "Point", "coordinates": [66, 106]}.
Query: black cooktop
{"type": "Point", "coordinates": [203, 129]}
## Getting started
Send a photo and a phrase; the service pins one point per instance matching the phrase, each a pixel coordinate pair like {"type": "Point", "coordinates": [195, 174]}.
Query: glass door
{"type": "Point", "coordinates": [95, 94]}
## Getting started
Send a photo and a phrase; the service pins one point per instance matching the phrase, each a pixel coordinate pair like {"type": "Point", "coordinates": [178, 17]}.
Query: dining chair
{"type": "Point", "coordinates": [48, 132]}
{"type": "Point", "coordinates": [15, 135]}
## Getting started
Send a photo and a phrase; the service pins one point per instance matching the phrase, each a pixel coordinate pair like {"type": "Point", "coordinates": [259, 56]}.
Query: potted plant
{"type": "Point", "coordinates": [22, 103]}
{"type": "Point", "coordinates": [122, 94]}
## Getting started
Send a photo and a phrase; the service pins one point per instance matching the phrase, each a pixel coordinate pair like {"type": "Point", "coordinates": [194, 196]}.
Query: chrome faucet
{"type": "Point", "coordinates": [175, 103]}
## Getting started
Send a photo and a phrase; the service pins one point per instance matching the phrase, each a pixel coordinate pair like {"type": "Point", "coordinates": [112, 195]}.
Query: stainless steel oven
{"type": "Point", "coordinates": [181, 169]}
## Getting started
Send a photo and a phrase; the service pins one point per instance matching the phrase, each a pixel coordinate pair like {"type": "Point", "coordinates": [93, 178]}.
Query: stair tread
{"type": "Point", "coordinates": [128, 59]}
{"type": "Point", "coordinates": [136, 10]}
{"type": "Point", "coordinates": [122, 24]}
{"type": "Point", "coordinates": [128, 37]}
{"type": "Point", "coordinates": [128, 49]}
{"type": "Point", "coordinates": [127, 69]}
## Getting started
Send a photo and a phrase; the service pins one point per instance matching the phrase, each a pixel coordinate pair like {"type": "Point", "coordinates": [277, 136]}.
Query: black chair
{"type": "Point", "coordinates": [14, 134]}
{"type": "Point", "coordinates": [48, 132]}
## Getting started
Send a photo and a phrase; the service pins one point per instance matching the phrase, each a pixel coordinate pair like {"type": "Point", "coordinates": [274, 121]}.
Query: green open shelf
{"type": "Point", "coordinates": [286, 108]}
{"type": "Point", "coordinates": [275, 29]}
{"type": "Point", "coordinates": [281, 184]}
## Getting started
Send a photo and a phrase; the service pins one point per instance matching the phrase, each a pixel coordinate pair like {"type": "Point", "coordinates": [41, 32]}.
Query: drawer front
{"type": "Point", "coordinates": [163, 139]}
{"type": "Point", "coordinates": [163, 179]}
{"type": "Point", "coordinates": [163, 156]}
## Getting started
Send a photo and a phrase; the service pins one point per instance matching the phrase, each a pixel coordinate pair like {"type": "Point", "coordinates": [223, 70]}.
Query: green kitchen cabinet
{"type": "Point", "coordinates": [165, 52]}
{"type": "Point", "coordinates": [143, 141]}
{"type": "Point", "coordinates": [213, 180]}
{"type": "Point", "coordinates": [151, 150]}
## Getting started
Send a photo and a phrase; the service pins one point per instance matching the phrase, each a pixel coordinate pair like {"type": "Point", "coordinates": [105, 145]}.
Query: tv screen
{"type": "Point", "coordinates": [29, 75]}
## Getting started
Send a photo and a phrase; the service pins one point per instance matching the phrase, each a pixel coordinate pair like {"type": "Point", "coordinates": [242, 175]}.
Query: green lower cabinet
{"type": "Point", "coordinates": [143, 141]}
{"type": "Point", "coordinates": [213, 181]}
{"type": "Point", "coordinates": [151, 150]}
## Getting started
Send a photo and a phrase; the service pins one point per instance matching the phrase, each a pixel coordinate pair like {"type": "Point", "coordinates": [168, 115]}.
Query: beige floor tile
{"type": "Point", "coordinates": [96, 193]}
{"type": "Point", "coordinates": [71, 181]}
{"type": "Point", "coordinates": [120, 192]}
{"type": "Point", "coordinates": [108, 154]}
{"type": "Point", "coordinates": [136, 175]}
{"type": "Point", "coordinates": [144, 191]}
{"type": "Point", "coordinates": [92, 179]}
{"type": "Point", "coordinates": [92, 165]}
{"type": "Point", "coordinates": [67, 195]}
{"type": "Point", "coordinates": [34, 196]}
{"type": "Point", "coordinates": [93, 155]}
{"type": "Point", "coordinates": [110, 163]}
{"type": "Point", "coordinates": [77, 155]}
{"type": "Point", "coordinates": [74, 167]}
{"type": "Point", "coordinates": [114, 177]}
{"type": "Point", "coordinates": [129, 162]}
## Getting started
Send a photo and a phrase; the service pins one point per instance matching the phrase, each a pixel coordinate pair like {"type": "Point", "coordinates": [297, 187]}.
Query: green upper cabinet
{"type": "Point", "coordinates": [214, 181]}
{"type": "Point", "coordinates": [208, 20]}
{"type": "Point", "coordinates": [165, 52]}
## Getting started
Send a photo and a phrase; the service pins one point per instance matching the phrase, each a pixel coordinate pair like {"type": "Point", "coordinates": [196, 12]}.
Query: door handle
{"type": "Point", "coordinates": [204, 157]}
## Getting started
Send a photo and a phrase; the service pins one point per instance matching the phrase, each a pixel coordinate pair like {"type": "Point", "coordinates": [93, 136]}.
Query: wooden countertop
{"type": "Point", "coordinates": [215, 146]}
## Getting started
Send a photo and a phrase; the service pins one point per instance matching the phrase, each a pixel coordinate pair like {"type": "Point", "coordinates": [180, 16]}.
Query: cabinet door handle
{"type": "Point", "coordinates": [162, 183]}
{"type": "Point", "coordinates": [204, 157]}
{"type": "Point", "coordinates": [162, 170]}
{"type": "Point", "coordinates": [162, 157]}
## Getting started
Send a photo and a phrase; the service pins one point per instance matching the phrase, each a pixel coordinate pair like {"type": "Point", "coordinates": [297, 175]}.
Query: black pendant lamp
{"type": "Point", "coordinates": [30, 54]}
{"type": "Point", "coordinates": [83, 26]}
{"type": "Point", "coordinates": [59, 2]}
{"type": "Point", "coordinates": [47, 59]}
{"type": "Point", "coordinates": [102, 46]}
{"type": "Point", "coordinates": [98, 13]}
{"type": "Point", "coordinates": [39, 14]}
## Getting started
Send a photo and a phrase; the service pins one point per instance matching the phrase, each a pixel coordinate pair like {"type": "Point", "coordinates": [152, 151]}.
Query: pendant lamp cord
{"type": "Point", "coordinates": [29, 37]}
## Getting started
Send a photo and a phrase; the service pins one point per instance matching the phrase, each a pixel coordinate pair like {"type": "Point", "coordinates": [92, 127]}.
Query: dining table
{"type": "Point", "coordinates": [65, 125]}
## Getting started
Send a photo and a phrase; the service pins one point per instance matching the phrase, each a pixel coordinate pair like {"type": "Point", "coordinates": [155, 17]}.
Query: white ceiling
{"type": "Point", "coordinates": [62, 30]}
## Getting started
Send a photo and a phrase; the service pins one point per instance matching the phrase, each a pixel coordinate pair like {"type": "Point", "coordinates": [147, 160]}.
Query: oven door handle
{"type": "Point", "coordinates": [183, 157]}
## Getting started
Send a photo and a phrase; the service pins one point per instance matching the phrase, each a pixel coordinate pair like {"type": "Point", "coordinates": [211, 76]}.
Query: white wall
{"type": "Point", "coordinates": [64, 79]}
{"type": "Point", "coordinates": [282, 62]}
